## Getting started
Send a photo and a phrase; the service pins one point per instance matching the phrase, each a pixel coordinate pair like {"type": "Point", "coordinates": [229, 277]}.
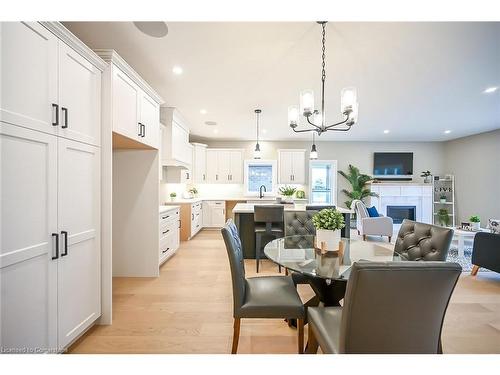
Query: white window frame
{"type": "Point", "coordinates": [334, 169]}
{"type": "Point", "coordinates": [274, 166]}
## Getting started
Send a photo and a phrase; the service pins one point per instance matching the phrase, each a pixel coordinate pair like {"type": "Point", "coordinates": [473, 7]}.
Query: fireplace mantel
{"type": "Point", "coordinates": [404, 194]}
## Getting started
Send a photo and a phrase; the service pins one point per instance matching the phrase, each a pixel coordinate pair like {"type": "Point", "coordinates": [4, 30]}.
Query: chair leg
{"type": "Point", "coordinates": [474, 270]}
{"type": "Point", "coordinates": [312, 343]}
{"type": "Point", "coordinates": [286, 271]}
{"type": "Point", "coordinates": [236, 335]}
{"type": "Point", "coordinates": [257, 251]}
{"type": "Point", "coordinates": [300, 330]}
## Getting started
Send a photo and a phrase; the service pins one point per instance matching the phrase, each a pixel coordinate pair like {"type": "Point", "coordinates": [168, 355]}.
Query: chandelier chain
{"type": "Point", "coordinates": [323, 41]}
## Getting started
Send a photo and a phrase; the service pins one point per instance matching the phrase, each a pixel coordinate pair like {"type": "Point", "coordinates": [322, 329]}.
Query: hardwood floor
{"type": "Point", "coordinates": [188, 309]}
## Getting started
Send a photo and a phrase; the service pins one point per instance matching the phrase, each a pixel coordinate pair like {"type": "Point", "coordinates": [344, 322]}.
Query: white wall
{"type": "Point", "coordinates": [427, 156]}
{"type": "Point", "coordinates": [475, 162]}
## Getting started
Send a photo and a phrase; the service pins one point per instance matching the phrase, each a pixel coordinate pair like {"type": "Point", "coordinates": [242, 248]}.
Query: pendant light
{"type": "Point", "coordinates": [256, 152]}
{"type": "Point", "coordinates": [314, 153]}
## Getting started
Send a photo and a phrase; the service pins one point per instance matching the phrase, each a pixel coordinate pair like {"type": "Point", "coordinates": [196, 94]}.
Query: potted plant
{"type": "Point", "coordinates": [476, 222]}
{"type": "Point", "coordinates": [427, 176]}
{"type": "Point", "coordinates": [442, 198]}
{"type": "Point", "coordinates": [443, 217]}
{"type": "Point", "coordinates": [172, 196]}
{"type": "Point", "coordinates": [193, 191]}
{"type": "Point", "coordinates": [300, 194]}
{"type": "Point", "coordinates": [287, 192]}
{"type": "Point", "coordinates": [328, 223]}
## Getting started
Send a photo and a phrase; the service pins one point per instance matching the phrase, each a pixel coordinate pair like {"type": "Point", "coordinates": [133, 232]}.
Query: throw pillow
{"type": "Point", "coordinates": [372, 211]}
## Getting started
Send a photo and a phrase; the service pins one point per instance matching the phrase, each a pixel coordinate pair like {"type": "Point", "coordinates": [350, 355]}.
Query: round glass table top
{"type": "Point", "coordinates": [297, 253]}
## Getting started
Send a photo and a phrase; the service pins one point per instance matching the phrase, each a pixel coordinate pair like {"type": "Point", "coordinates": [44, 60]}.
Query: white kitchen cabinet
{"type": "Point", "coordinates": [177, 151]}
{"type": "Point", "coordinates": [28, 219]}
{"type": "Point", "coordinates": [291, 165]}
{"type": "Point", "coordinates": [50, 191]}
{"type": "Point", "coordinates": [177, 175]}
{"type": "Point", "coordinates": [131, 105]}
{"type": "Point", "coordinates": [224, 166]}
{"type": "Point", "coordinates": [196, 218]}
{"type": "Point", "coordinates": [199, 166]}
{"type": "Point", "coordinates": [79, 266]}
{"type": "Point", "coordinates": [214, 214]}
{"type": "Point", "coordinates": [47, 85]}
{"type": "Point", "coordinates": [29, 75]}
{"type": "Point", "coordinates": [169, 233]}
{"type": "Point", "coordinates": [79, 97]}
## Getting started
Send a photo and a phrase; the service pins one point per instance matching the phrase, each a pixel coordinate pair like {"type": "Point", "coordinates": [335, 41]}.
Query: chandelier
{"type": "Point", "coordinates": [315, 117]}
{"type": "Point", "coordinates": [256, 152]}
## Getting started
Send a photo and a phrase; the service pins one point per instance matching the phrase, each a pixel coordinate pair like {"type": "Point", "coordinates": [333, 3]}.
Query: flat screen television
{"type": "Point", "coordinates": [393, 165]}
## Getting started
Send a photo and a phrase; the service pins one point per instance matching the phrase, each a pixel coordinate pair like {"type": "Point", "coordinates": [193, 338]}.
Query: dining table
{"type": "Point", "coordinates": [326, 271]}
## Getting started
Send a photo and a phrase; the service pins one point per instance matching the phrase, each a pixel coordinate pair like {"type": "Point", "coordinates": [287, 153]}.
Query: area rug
{"type": "Point", "coordinates": [465, 262]}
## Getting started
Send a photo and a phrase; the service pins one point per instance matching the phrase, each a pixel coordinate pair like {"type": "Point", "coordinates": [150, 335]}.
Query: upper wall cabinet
{"type": "Point", "coordinates": [224, 166]}
{"type": "Point", "coordinates": [46, 84]}
{"type": "Point", "coordinates": [176, 150]}
{"type": "Point", "coordinates": [131, 105]}
{"type": "Point", "coordinates": [199, 167]}
{"type": "Point", "coordinates": [292, 164]}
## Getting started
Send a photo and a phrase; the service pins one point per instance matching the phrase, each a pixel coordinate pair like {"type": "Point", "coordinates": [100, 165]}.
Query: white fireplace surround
{"type": "Point", "coordinates": [404, 194]}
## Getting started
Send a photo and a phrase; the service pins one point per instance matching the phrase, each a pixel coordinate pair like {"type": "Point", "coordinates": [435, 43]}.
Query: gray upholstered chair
{"type": "Point", "coordinates": [389, 308]}
{"type": "Point", "coordinates": [421, 241]}
{"type": "Point", "coordinates": [486, 252]}
{"type": "Point", "coordinates": [371, 226]}
{"type": "Point", "coordinates": [268, 222]}
{"type": "Point", "coordinates": [259, 297]}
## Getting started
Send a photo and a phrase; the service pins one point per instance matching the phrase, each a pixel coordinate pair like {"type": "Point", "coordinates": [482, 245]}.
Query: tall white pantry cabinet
{"type": "Point", "coordinates": [50, 276]}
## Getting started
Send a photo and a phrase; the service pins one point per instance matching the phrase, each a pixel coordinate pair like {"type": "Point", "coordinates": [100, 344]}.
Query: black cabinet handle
{"type": "Point", "coordinates": [192, 216]}
{"type": "Point", "coordinates": [65, 234]}
{"type": "Point", "coordinates": [143, 130]}
{"type": "Point", "coordinates": [179, 223]}
{"type": "Point", "coordinates": [140, 129]}
{"type": "Point", "coordinates": [168, 230]}
{"type": "Point", "coordinates": [56, 107]}
{"type": "Point", "coordinates": [57, 245]}
{"type": "Point", "coordinates": [165, 217]}
{"type": "Point", "coordinates": [65, 112]}
{"type": "Point", "coordinates": [164, 251]}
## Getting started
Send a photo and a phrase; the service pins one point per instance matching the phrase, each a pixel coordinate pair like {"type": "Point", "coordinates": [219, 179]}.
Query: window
{"type": "Point", "coordinates": [260, 173]}
{"type": "Point", "coordinates": [323, 181]}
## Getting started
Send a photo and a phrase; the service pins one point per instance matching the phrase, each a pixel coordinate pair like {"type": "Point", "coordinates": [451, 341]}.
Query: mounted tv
{"type": "Point", "coordinates": [393, 165]}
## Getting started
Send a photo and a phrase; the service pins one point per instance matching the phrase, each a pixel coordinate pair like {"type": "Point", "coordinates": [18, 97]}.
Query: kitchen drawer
{"type": "Point", "coordinates": [169, 228]}
{"type": "Point", "coordinates": [169, 216]}
{"type": "Point", "coordinates": [196, 207]}
{"type": "Point", "coordinates": [167, 247]}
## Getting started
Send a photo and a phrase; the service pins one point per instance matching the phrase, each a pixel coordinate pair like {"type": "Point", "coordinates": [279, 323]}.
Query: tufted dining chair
{"type": "Point", "coordinates": [259, 297]}
{"type": "Point", "coordinates": [420, 241]}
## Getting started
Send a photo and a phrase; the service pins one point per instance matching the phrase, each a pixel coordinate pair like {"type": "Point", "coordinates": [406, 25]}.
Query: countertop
{"type": "Point", "coordinates": [167, 208]}
{"type": "Point", "coordinates": [200, 199]}
{"type": "Point", "coordinates": [247, 208]}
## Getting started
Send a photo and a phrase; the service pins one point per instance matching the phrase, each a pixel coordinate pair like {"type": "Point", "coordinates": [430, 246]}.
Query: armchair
{"type": "Point", "coordinates": [371, 226]}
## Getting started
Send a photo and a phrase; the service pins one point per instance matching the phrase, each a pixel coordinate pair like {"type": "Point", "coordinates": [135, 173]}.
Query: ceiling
{"type": "Point", "coordinates": [414, 79]}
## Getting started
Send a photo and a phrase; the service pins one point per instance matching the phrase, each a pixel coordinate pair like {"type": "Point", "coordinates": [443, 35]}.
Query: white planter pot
{"type": "Point", "coordinates": [442, 200]}
{"type": "Point", "coordinates": [330, 237]}
{"type": "Point", "coordinates": [288, 199]}
{"type": "Point", "coordinates": [475, 226]}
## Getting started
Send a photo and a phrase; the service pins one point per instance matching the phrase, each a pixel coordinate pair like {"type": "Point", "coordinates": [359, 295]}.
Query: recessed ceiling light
{"type": "Point", "coordinates": [216, 131]}
{"type": "Point", "coordinates": [177, 70]}
{"type": "Point", "coordinates": [490, 90]}
{"type": "Point", "coordinates": [210, 123]}
{"type": "Point", "coordinates": [203, 111]}
{"type": "Point", "coordinates": [386, 131]}
{"type": "Point", "coordinates": [447, 131]}
{"type": "Point", "coordinates": [264, 131]}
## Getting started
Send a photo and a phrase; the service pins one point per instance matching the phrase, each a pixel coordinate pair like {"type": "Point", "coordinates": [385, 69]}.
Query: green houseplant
{"type": "Point", "coordinates": [476, 222]}
{"type": "Point", "coordinates": [358, 183]}
{"type": "Point", "coordinates": [287, 192]}
{"type": "Point", "coordinates": [443, 217]}
{"type": "Point", "coordinates": [427, 176]}
{"type": "Point", "coordinates": [193, 191]}
{"type": "Point", "coordinates": [442, 198]}
{"type": "Point", "coordinates": [328, 223]}
{"type": "Point", "coordinates": [172, 196]}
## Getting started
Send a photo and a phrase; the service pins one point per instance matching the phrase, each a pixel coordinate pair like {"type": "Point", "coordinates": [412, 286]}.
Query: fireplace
{"type": "Point", "coordinates": [399, 213]}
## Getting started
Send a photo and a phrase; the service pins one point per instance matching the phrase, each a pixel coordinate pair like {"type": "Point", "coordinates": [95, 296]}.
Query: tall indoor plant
{"type": "Point", "coordinates": [328, 223]}
{"type": "Point", "coordinates": [358, 183]}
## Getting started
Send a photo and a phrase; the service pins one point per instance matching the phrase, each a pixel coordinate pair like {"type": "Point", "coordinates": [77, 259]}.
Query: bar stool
{"type": "Point", "coordinates": [268, 222]}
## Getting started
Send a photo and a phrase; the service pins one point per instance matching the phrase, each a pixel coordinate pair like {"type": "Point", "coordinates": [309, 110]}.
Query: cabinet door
{"type": "Point", "coordinates": [224, 166]}
{"type": "Point", "coordinates": [79, 292]}
{"type": "Point", "coordinates": [125, 111]}
{"type": "Point", "coordinates": [28, 71]}
{"type": "Point", "coordinates": [28, 205]}
{"type": "Point", "coordinates": [298, 167]}
{"type": "Point", "coordinates": [218, 213]}
{"type": "Point", "coordinates": [150, 118]}
{"type": "Point", "coordinates": [180, 140]}
{"type": "Point", "coordinates": [200, 164]}
{"type": "Point", "coordinates": [236, 173]}
{"type": "Point", "coordinates": [206, 215]}
{"type": "Point", "coordinates": [285, 167]}
{"type": "Point", "coordinates": [79, 97]}
{"type": "Point", "coordinates": [212, 167]}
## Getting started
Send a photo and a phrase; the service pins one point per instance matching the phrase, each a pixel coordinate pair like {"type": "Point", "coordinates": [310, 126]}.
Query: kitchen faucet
{"type": "Point", "coordinates": [261, 195]}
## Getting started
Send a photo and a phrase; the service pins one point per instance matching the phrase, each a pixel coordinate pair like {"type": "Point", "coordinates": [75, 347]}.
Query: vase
{"type": "Point", "coordinates": [442, 200]}
{"type": "Point", "coordinates": [288, 199]}
{"type": "Point", "coordinates": [330, 237]}
{"type": "Point", "coordinates": [172, 199]}
{"type": "Point", "coordinates": [475, 226]}
{"type": "Point", "coordinates": [427, 180]}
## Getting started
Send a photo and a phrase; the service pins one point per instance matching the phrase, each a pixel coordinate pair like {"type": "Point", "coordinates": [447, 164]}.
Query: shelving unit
{"type": "Point", "coordinates": [443, 185]}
